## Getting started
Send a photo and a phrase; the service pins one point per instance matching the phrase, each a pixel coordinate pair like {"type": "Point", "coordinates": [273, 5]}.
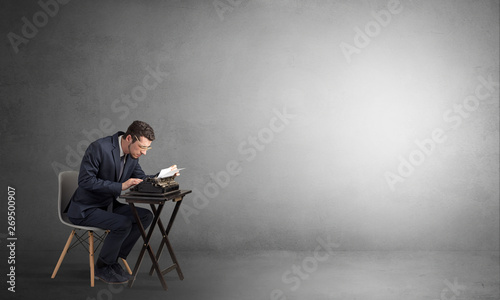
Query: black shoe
{"type": "Point", "coordinates": [120, 271]}
{"type": "Point", "coordinates": [108, 275]}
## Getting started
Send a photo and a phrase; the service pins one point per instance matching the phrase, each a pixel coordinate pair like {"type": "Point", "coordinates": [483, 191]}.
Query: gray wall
{"type": "Point", "coordinates": [295, 120]}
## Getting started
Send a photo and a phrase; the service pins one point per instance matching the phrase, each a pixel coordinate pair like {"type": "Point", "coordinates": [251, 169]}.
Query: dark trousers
{"type": "Point", "coordinates": [124, 231]}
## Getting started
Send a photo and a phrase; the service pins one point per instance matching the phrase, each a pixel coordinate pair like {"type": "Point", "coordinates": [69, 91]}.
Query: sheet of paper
{"type": "Point", "coordinates": [168, 172]}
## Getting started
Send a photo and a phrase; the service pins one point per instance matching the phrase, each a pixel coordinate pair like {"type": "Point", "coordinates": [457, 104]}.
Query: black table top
{"type": "Point", "coordinates": [136, 197]}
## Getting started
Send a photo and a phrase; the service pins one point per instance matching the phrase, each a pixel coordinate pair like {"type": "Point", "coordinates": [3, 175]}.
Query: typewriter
{"type": "Point", "coordinates": [156, 186]}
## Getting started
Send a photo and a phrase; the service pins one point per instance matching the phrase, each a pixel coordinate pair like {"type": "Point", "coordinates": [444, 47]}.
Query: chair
{"type": "Point", "coordinates": [68, 182]}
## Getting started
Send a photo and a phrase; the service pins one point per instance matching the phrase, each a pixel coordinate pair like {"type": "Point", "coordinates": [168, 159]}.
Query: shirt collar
{"type": "Point", "coordinates": [120, 144]}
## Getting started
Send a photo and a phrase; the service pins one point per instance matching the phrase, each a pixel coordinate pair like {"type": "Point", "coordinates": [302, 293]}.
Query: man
{"type": "Point", "coordinates": [111, 165]}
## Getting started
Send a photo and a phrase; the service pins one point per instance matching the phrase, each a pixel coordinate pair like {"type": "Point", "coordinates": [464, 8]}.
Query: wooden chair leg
{"type": "Point", "coordinates": [63, 254]}
{"type": "Point", "coordinates": [91, 257]}
{"type": "Point", "coordinates": [127, 266]}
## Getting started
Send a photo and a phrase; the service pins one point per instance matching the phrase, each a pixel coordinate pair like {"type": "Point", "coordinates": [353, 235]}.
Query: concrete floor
{"type": "Point", "coordinates": [273, 275]}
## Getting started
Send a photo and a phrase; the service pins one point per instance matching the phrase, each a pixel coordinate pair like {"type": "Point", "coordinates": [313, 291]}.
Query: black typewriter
{"type": "Point", "coordinates": [153, 185]}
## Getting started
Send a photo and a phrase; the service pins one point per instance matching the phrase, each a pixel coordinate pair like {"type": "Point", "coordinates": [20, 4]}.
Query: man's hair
{"type": "Point", "coordinates": [138, 129]}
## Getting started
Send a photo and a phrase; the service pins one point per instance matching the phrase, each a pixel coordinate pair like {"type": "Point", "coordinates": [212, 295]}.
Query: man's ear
{"type": "Point", "coordinates": [129, 139]}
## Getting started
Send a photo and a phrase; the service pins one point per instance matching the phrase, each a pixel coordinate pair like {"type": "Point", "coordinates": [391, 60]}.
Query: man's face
{"type": "Point", "coordinates": [136, 148]}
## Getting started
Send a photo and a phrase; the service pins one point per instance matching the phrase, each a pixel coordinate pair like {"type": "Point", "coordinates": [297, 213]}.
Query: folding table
{"type": "Point", "coordinates": [156, 201]}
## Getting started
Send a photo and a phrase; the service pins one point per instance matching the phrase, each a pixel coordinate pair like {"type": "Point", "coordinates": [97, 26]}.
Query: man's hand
{"type": "Point", "coordinates": [173, 167]}
{"type": "Point", "coordinates": [131, 182]}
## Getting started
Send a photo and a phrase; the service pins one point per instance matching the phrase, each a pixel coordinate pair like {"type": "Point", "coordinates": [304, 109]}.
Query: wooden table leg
{"type": "Point", "coordinates": [174, 260]}
{"type": "Point", "coordinates": [165, 241]}
{"type": "Point", "coordinates": [146, 245]}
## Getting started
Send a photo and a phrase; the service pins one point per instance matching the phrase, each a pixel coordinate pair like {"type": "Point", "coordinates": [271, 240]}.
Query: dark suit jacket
{"type": "Point", "coordinates": [98, 183]}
